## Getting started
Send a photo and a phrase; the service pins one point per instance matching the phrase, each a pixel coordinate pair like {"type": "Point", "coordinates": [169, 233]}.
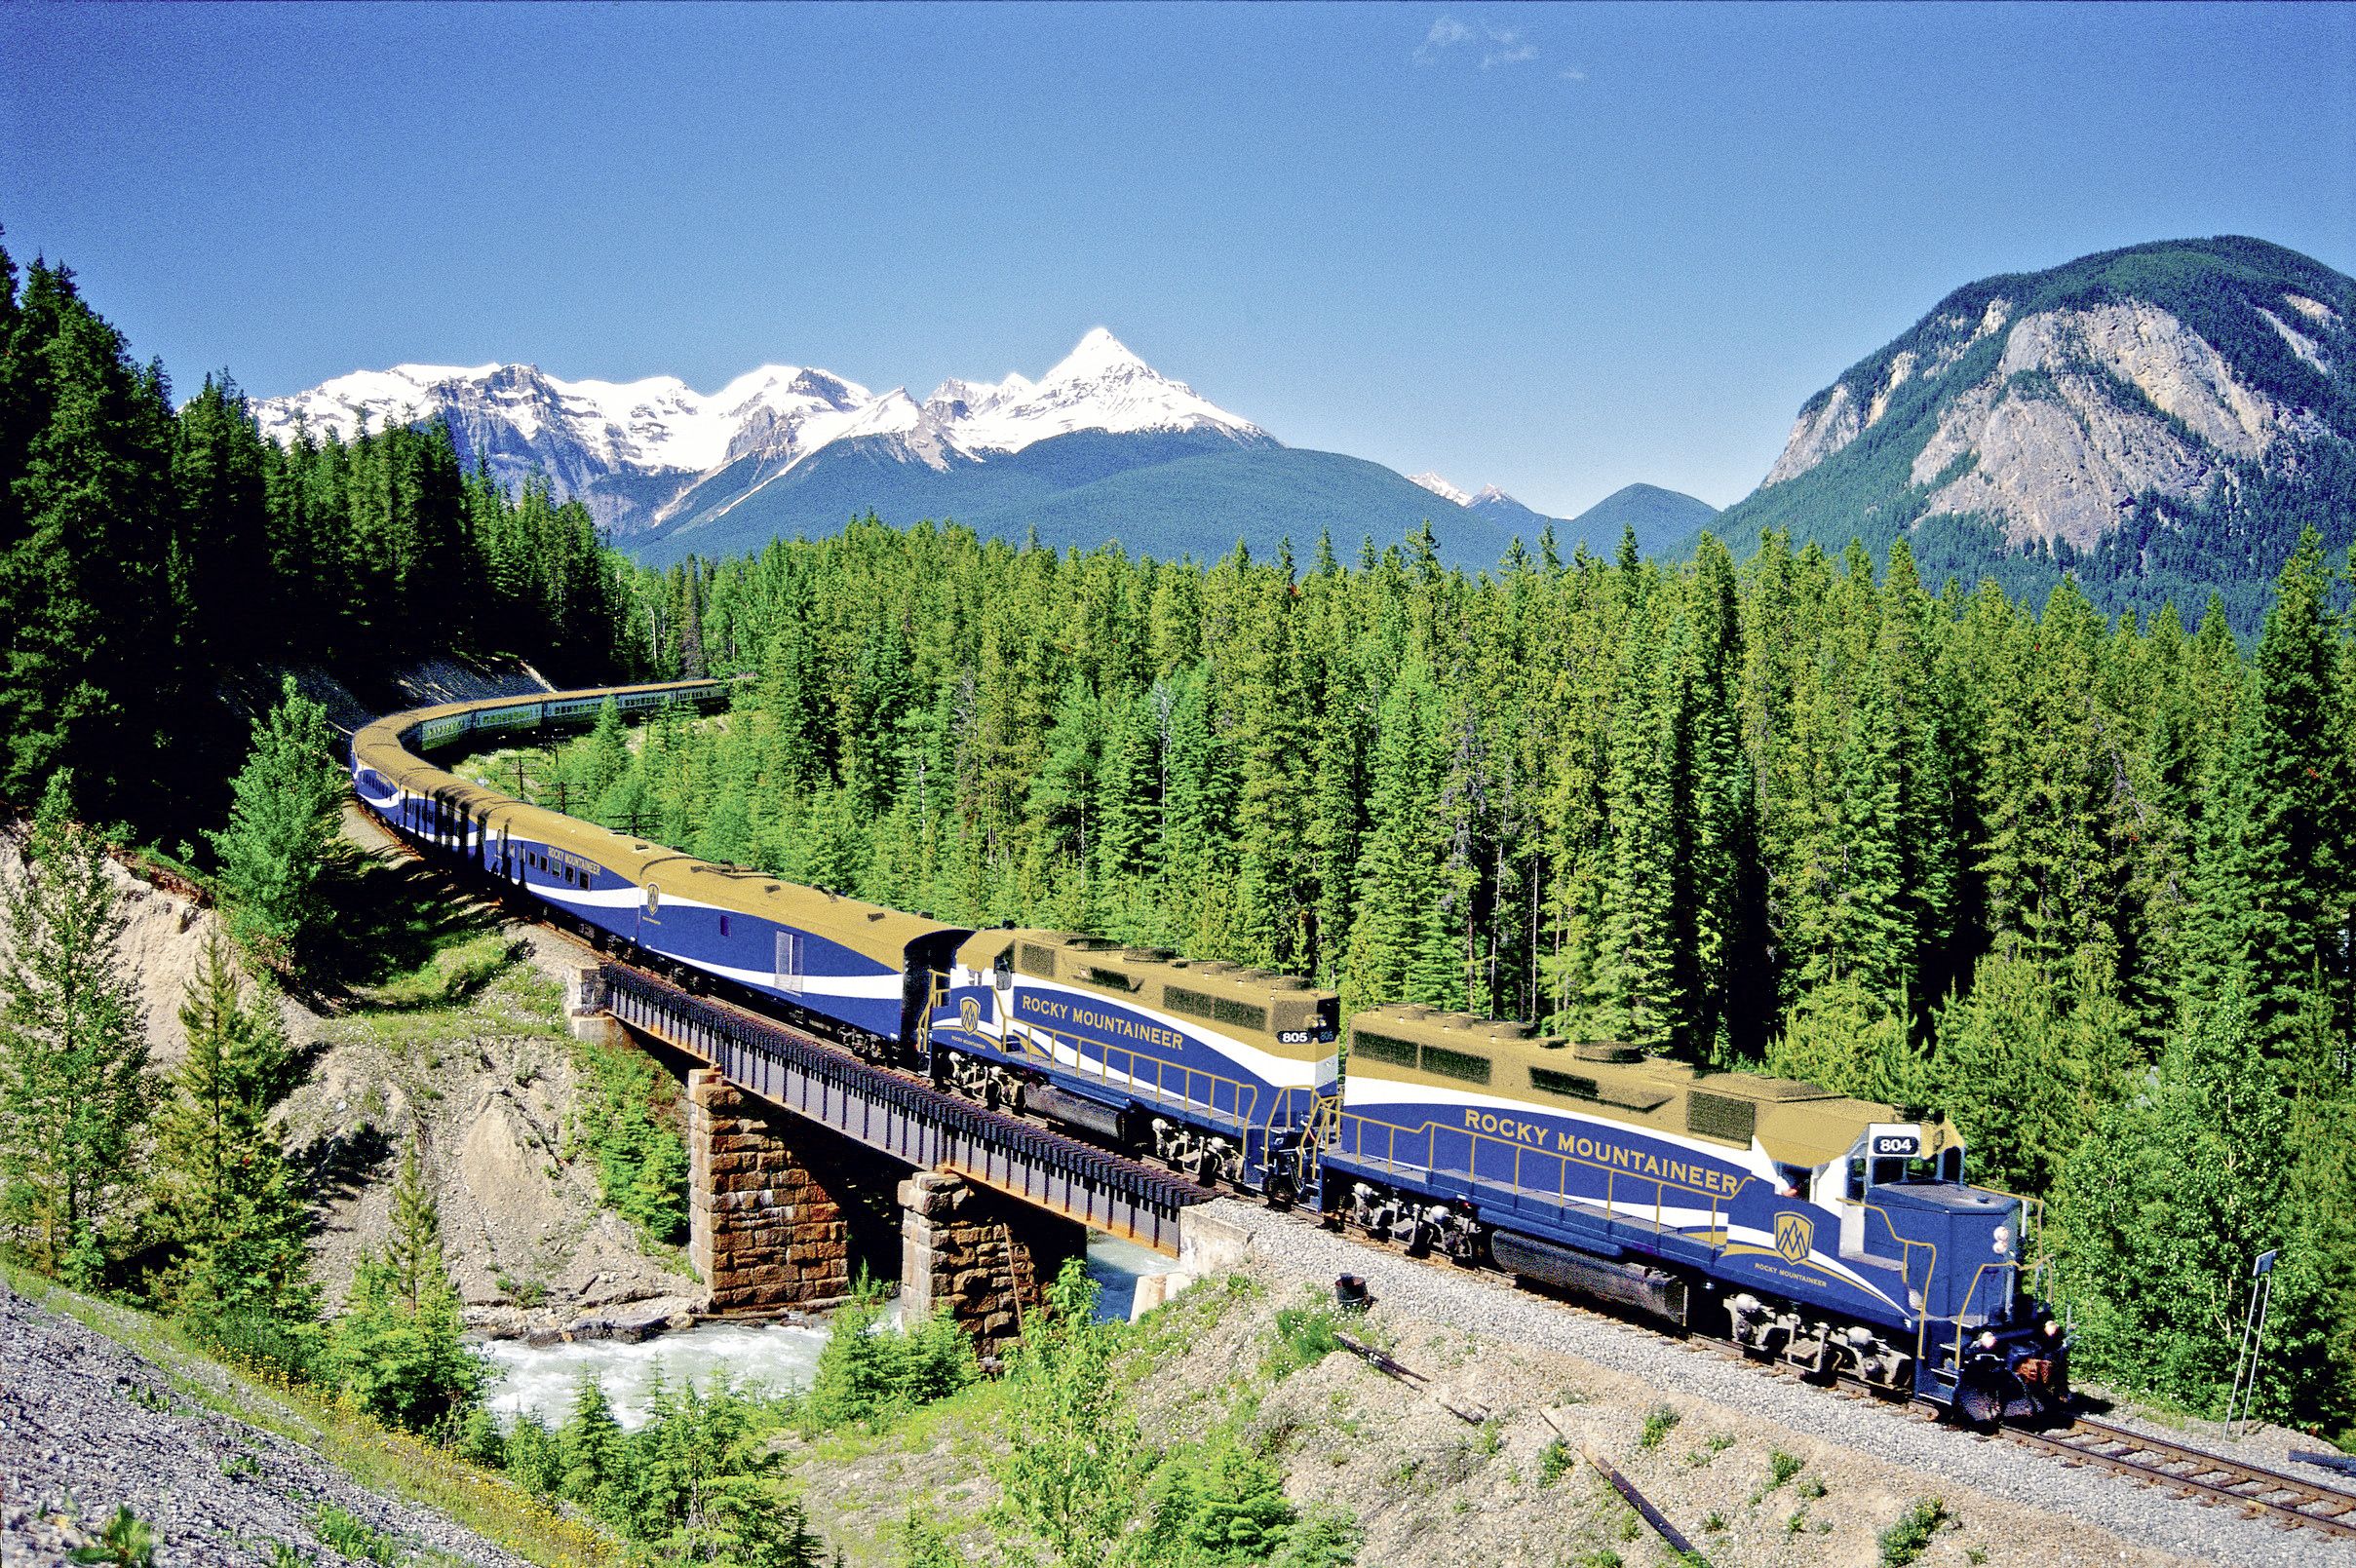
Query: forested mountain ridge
{"type": "Point", "coordinates": [150, 556]}
{"type": "Point", "coordinates": [2160, 421]}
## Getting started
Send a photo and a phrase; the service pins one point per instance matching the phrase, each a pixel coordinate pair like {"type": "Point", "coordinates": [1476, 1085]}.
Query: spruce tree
{"type": "Point", "coordinates": [2273, 885]}
{"type": "Point", "coordinates": [281, 824]}
{"type": "Point", "coordinates": [2161, 1212]}
{"type": "Point", "coordinates": [225, 1191]}
{"type": "Point", "coordinates": [73, 1054]}
{"type": "Point", "coordinates": [398, 1349]}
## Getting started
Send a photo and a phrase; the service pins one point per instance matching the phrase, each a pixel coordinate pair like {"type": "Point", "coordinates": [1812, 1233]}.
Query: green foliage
{"type": "Point", "coordinates": [1304, 1336]}
{"type": "Point", "coordinates": [223, 1189]}
{"type": "Point", "coordinates": [397, 1350]}
{"type": "Point", "coordinates": [281, 822]}
{"type": "Point", "coordinates": [344, 1531]}
{"type": "Point", "coordinates": [146, 554]}
{"type": "Point", "coordinates": [1782, 1467]}
{"type": "Point", "coordinates": [620, 1122]}
{"type": "Point", "coordinates": [1659, 1422]}
{"type": "Point", "coordinates": [1907, 1539]}
{"type": "Point", "coordinates": [124, 1540]}
{"type": "Point", "coordinates": [73, 1054]}
{"type": "Point", "coordinates": [1070, 1474]}
{"type": "Point", "coordinates": [695, 1483]}
{"type": "Point", "coordinates": [869, 1372]}
{"type": "Point", "coordinates": [1555, 1461]}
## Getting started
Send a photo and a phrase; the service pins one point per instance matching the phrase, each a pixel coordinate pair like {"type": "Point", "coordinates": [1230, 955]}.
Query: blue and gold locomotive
{"type": "Point", "coordinates": [1835, 1234]}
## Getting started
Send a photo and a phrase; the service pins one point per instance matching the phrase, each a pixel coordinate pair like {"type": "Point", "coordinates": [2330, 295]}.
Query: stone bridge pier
{"type": "Point", "coordinates": [784, 1213]}
{"type": "Point", "coordinates": [982, 1255]}
{"type": "Point", "coordinates": [780, 1212]}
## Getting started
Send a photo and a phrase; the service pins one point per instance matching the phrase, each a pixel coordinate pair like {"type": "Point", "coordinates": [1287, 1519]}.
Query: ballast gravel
{"type": "Point", "coordinates": [1486, 1307]}
{"type": "Point", "coordinates": [87, 1426]}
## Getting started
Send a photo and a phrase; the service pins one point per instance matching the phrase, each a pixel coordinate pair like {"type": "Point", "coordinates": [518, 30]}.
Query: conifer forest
{"type": "Point", "coordinates": [2083, 886]}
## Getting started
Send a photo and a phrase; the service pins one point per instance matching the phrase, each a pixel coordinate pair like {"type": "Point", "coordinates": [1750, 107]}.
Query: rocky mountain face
{"type": "Point", "coordinates": [2128, 415]}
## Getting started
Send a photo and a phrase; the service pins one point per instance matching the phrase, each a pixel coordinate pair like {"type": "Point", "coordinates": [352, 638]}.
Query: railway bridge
{"type": "Point", "coordinates": [807, 1166]}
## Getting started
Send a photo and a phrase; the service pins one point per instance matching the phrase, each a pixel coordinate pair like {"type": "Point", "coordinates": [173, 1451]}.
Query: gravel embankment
{"type": "Point", "coordinates": [86, 1419]}
{"type": "Point", "coordinates": [1485, 1306]}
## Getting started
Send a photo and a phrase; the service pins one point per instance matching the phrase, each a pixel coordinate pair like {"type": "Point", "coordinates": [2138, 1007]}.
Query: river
{"type": "Point", "coordinates": [781, 1357]}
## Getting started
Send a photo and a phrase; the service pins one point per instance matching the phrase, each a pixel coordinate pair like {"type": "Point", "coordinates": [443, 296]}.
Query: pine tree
{"type": "Point", "coordinates": [1398, 919]}
{"type": "Point", "coordinates": [226, 1191]}
{"type": "Point", "coordinates": [73, 1054]}
{"type": "Point", "coordinates": [2272, 888]}
{"type": "Point", "coordinates": [283, 820]}
{"type": "Point", "coordinates": [398, 1350]}
{"type": "Point", "coordinates": [413, 1247]}
{"type": "Point", "coordinates": [1069, 1477]}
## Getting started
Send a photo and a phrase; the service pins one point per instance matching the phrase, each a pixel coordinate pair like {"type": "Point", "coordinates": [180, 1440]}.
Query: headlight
{"type": "Point", "coordinates": [1986, 1340]}
{"type": "Point", "coordinates": [2004, 1239]}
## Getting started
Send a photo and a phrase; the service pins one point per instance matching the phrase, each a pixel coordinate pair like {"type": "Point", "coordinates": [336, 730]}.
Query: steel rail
{"type": "Point", "coordinates": [2209, 1479]}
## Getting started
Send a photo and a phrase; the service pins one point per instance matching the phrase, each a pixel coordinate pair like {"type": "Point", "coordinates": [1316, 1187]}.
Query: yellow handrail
{"type": "Point", "coordinates": [1247, 1095]}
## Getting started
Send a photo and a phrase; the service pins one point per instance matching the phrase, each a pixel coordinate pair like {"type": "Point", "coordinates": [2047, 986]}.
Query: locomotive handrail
{"type": "Point", "coordinates": [1905, 1273]}
{"type": "Point", "coordinates": [1247, 1095]}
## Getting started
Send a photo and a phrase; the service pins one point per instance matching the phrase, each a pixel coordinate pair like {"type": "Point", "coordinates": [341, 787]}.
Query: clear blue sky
{"type": "Point", "coordinates": [1556, 250]}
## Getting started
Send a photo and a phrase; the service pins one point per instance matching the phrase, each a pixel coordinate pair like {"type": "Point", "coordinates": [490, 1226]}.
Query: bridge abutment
{"type": "Point", "coordinates": [986, 1257]}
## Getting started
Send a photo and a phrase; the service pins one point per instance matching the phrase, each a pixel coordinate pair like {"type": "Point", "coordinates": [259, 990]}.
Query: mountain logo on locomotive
{"type": "Point", "coordinates": [1795, 1236]}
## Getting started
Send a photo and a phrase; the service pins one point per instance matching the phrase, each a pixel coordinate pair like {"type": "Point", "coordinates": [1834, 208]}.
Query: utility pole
{"type": "Point", "coordinates": [2254, 1335]}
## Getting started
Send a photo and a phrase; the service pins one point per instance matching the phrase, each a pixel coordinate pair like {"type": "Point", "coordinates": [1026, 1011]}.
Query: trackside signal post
{"type": "Point", "coordinates": [2254, 1335]}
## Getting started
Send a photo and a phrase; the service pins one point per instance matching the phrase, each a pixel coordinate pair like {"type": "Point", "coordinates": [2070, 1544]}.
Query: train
{"type": "Point", "coordinates": [1837, 1235]}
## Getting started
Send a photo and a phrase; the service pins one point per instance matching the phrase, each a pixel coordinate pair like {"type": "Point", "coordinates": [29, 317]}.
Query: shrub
{"type": "Point", "coordinates": [1902, 1542]}
{"type": "Point", "coordinates": [124, 1540]}
{"type": "Point", "coordinates": [1554, 1460]}
{"type": "Point", "coordinates": [1304, 1336]}
{"type": "Point", "coordinates": [353, 1537]}
{"type": "Point", "coordinates": [1659, 1422]}
{"type": "Point", "coordinates": [869, 1371]}
{"type": "Point", "coordinates": [1782, 1467]}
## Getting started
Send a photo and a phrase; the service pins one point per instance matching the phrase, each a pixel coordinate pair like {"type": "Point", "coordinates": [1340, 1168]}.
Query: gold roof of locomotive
{"type": "Point", "coordinates": [1148, 974]}
{"type": "Point", "coordinates": [1797, 1124]}
{"type": "Point", "coordinates": [869, 929]}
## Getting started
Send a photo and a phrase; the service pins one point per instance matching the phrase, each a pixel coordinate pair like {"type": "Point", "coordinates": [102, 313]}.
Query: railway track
{"type": "Point", "coordinates": [2212, 1481]}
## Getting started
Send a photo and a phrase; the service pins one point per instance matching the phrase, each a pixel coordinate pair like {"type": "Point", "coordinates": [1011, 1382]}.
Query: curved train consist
{"type": "Point", "coordinates": [1830, 1233]}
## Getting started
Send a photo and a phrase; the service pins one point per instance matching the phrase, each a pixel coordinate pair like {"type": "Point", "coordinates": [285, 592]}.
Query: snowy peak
{"type": "Point", "coordinates": [1441, 489]}
{"type": "Point", "coordinates": [1099, 356]}
{"type": "Point", "coordinates": [1100, 385]}
{"type": "Point", "coordinates": [634, 449]}
{"type": "Point", "coordinates": [1486, 498]}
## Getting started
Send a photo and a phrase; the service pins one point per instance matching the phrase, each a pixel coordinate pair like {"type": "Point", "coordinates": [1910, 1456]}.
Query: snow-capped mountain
{"type": "Point", "coordinates": [1441, 489]}
{"type": "Point", "coordinates": [638, 452]}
